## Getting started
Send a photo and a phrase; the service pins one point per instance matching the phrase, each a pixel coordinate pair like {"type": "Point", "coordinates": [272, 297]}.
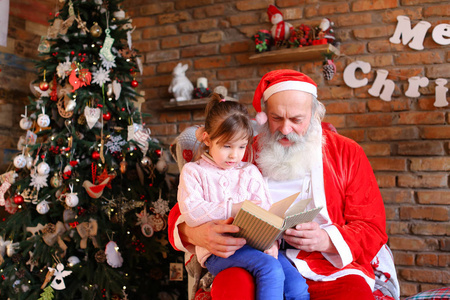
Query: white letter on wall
{"type": "Point", "coordinates": [381, 81]}
{"type": "Point", "coordinates": [440, 33]}
{"type": "Point", "coordinates": [404, 30]}
{"type": "Point", "coordinates": [349, 74]}
{"type": "Point", "coordinates": [414, 84]}
{"type": "Point", "coordinates": [441, 90]}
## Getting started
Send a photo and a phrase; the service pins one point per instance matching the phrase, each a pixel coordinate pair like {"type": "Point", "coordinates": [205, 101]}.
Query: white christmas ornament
{"type": "Point", "coordinates": [43, 168]}
{"type": "Point", "coordinates": [60, 273]}
{"type": "Point", "coordinates": [101, 76]}
{"type": "Point", "coordinates": [71, 198]}
{"type": "Point", "coordinates": [64, 68]}
{"type": "Point", "coordinates": [30, 162]}
{"type": "Point", "coordinates": [43, 120]}
{"type": "Point", "coordinates": [72, 261]}
{"type": "Point", "coordinates": [25, 123]}
{"type": "Point", "coordinates": [70, 106]}
{"type": "Point", "coordinates": [43, 207]}
{"type": "Point", "coordinates": [119, 15]}
{"type": "Point", "coordinates": [20, 161]}
{"type": "Point", "coordinates": [113, 256]}
{"type": "Point", "coordinates": [92, 115]}
{"type": "Point", "coordinates": [161, 165]}
{"type": "Point", "coordinates": [117, 88]}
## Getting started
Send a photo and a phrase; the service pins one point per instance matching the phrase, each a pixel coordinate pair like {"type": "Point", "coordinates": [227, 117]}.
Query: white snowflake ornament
{"type": "Point", "coordinates": [38, 181]}
{"type": "Point", "coordinates": [161, 206]}
{"type": "Point", "coordinates": [106, 63]}
{"type": "Point", "coordinates": [115, 143]}
{"type": "Point", "coordinates": [101, 76]}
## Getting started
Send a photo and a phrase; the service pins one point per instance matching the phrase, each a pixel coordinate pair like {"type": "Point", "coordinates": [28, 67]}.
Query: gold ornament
{"type": "Point", "coordinates": [56, 181]}
{"type": "Point", "coordinates": [123, 166]}
{"type": "Point", "coordinates": [96, 30]}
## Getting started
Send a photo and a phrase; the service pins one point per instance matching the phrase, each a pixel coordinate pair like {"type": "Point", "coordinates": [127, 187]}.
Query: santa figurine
{"type": "Point", "coordinates": [326, 30]}
{"type": "Point", "coordinates": [280, 29]}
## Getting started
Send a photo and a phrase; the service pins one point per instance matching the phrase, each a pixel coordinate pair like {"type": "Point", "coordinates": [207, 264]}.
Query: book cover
{"type": "Point", "coordinates": [261, 228]}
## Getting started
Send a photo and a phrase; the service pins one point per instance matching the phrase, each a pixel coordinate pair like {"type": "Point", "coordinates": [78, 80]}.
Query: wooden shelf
{"type": "Point", "coordinates": [294, 54]}
{"type": "Point", "coordinates": [190, 104]}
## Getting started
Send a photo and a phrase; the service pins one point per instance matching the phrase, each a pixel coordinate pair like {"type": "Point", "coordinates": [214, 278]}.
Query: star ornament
{"type": "Point", "coordinates": [32, 262]}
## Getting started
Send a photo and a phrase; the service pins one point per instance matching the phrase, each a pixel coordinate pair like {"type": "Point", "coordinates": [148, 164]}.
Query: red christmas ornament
{"type": "Point", "coordinates": [107, 116]}
{"type": "Point", "coordinates": [95, 155]}
{"type": "Point", "coordinates": [43, 86]}
{"type": "Point", "coordinates": [134, 83]}
{"type": "Point", "coordinates": [123, 108]}
{"type": "Point", "coordinates": [18, 199]}
{"type": "Point", "coordinates": [158, 151]}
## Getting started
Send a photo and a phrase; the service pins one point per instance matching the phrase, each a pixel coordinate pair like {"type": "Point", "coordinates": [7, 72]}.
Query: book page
{"type": "Point", "coordinates": [302, 217]}
{"type": "Point", "coordinates": [282, 206]}
{"type": "Point", "coordinates": [261, 213]}
{"type": "Point", "coordinates": [298, 207]}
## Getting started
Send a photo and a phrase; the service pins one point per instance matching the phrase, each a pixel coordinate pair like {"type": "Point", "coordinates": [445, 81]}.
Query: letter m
{"type": "Point", "coordinates": [403, 30]}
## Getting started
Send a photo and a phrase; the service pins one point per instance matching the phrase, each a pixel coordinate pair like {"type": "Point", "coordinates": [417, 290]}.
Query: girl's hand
{"type": "Point", "coordinates": [273, 250]}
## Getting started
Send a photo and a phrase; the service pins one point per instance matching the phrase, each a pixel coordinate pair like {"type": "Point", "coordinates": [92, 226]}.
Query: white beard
{"type": "Point", "coordinates": [281, 163]}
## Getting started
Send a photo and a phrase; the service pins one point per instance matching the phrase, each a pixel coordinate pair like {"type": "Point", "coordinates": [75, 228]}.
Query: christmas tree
{"type": "Point", "coordinates": [86, 192]}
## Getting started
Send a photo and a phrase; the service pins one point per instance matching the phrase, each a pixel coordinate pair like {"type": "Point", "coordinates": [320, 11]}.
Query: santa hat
{"type": "Point", "coordinates": [272, 10]}
{"type": "Point", "coordinates": [278, 81]}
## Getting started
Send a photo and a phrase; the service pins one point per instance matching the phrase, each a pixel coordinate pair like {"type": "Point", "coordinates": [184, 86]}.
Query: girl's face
{"type": "Point", "coordinates": [229, 154]}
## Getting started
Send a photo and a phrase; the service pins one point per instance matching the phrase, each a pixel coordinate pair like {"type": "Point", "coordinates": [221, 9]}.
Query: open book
{"type": "Point", "coordinates": [261, 227]}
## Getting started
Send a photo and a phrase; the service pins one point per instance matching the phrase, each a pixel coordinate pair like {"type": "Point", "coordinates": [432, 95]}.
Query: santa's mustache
{"type": "Point", "coordinates": [292, 136]}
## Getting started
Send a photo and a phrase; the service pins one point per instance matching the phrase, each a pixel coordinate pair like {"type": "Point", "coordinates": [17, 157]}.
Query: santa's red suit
{"type": "Point", "coordinates": [353, 215]}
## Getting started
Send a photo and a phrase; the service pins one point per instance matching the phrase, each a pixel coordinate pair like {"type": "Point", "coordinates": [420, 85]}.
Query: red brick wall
{"type": "Point", "coordinates": [27, 22]}
{"type": "Point", "coordinates": [406, 139]}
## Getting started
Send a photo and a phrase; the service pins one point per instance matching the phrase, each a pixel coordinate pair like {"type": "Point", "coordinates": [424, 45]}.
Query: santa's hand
{"type": "Point", "coordinates": [215, 237]}
{"type": "Point", "coordinates": [273, 251]}
{"type": "Point", "coordinates": [309, 237]}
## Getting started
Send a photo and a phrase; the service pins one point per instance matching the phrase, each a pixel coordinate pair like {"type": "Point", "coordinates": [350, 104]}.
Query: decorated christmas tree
{"type": "Point", "coordinates": [86, 191]}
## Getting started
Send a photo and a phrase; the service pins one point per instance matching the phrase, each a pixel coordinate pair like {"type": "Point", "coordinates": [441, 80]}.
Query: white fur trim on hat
{"type": "Point", "coordinates": [261, 118]}
{"type": "Point", "coordinates": [290, 86]}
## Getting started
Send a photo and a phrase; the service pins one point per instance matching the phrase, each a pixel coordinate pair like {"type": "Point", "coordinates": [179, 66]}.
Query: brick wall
{"type": "Point", "coordinates": [27, 23]}
{"type": "Point", "coordinates": [406, 139]}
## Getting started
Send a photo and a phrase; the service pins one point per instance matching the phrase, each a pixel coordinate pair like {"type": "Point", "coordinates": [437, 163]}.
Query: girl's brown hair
{"type": "Point", "coordinates": [227, 120]}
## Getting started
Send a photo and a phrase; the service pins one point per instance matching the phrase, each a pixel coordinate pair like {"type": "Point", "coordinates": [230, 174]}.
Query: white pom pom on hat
{"type": "Point", "coordinates": [278, 81]}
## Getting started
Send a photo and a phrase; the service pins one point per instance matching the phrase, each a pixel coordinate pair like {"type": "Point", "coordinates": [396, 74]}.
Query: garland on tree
{"type": "Point", "coordinates": [86, 193]}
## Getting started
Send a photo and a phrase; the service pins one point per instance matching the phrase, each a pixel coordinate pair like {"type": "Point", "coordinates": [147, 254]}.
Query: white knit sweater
{"type": "Point", "coordinates": [207, 192]}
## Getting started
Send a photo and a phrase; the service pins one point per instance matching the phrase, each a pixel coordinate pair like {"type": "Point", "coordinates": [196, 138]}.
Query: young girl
{"type": "Point", "coordinates": [214, 187]}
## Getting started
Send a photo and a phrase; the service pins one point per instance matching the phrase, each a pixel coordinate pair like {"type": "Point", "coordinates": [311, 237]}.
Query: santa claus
{"type": "Point", "coordinates": [336, 252]}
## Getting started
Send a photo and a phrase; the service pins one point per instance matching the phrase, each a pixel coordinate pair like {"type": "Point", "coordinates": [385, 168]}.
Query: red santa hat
{"type": "Point", "coordinates": [272, 10]}
{"type": "Point", "coordinates": [278, 81]}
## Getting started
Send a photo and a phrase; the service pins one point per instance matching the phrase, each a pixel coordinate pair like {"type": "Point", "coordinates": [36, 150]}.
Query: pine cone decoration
{"type": "Point", "coordinates": [49, 228]}
{"type": "Point", "coordinates": [16, 257]}
{"type": "Point", "coordinates": [329, 69]}
{"type": "Point", "coordinates": [100, 256]}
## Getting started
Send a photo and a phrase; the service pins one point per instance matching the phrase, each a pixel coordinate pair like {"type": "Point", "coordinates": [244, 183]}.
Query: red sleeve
{"type": "Point", "coordinates": [172, 220]}
{"type": "Point", "coordinates": [354, 200]}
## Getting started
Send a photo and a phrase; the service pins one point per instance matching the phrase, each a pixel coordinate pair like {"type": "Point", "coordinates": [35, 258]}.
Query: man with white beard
{"type": "Point", "coordinates": [335, 251]}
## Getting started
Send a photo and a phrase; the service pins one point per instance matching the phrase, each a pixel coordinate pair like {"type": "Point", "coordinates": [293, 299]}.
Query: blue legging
{"type": "Point", "coordinates": [269, 273]}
